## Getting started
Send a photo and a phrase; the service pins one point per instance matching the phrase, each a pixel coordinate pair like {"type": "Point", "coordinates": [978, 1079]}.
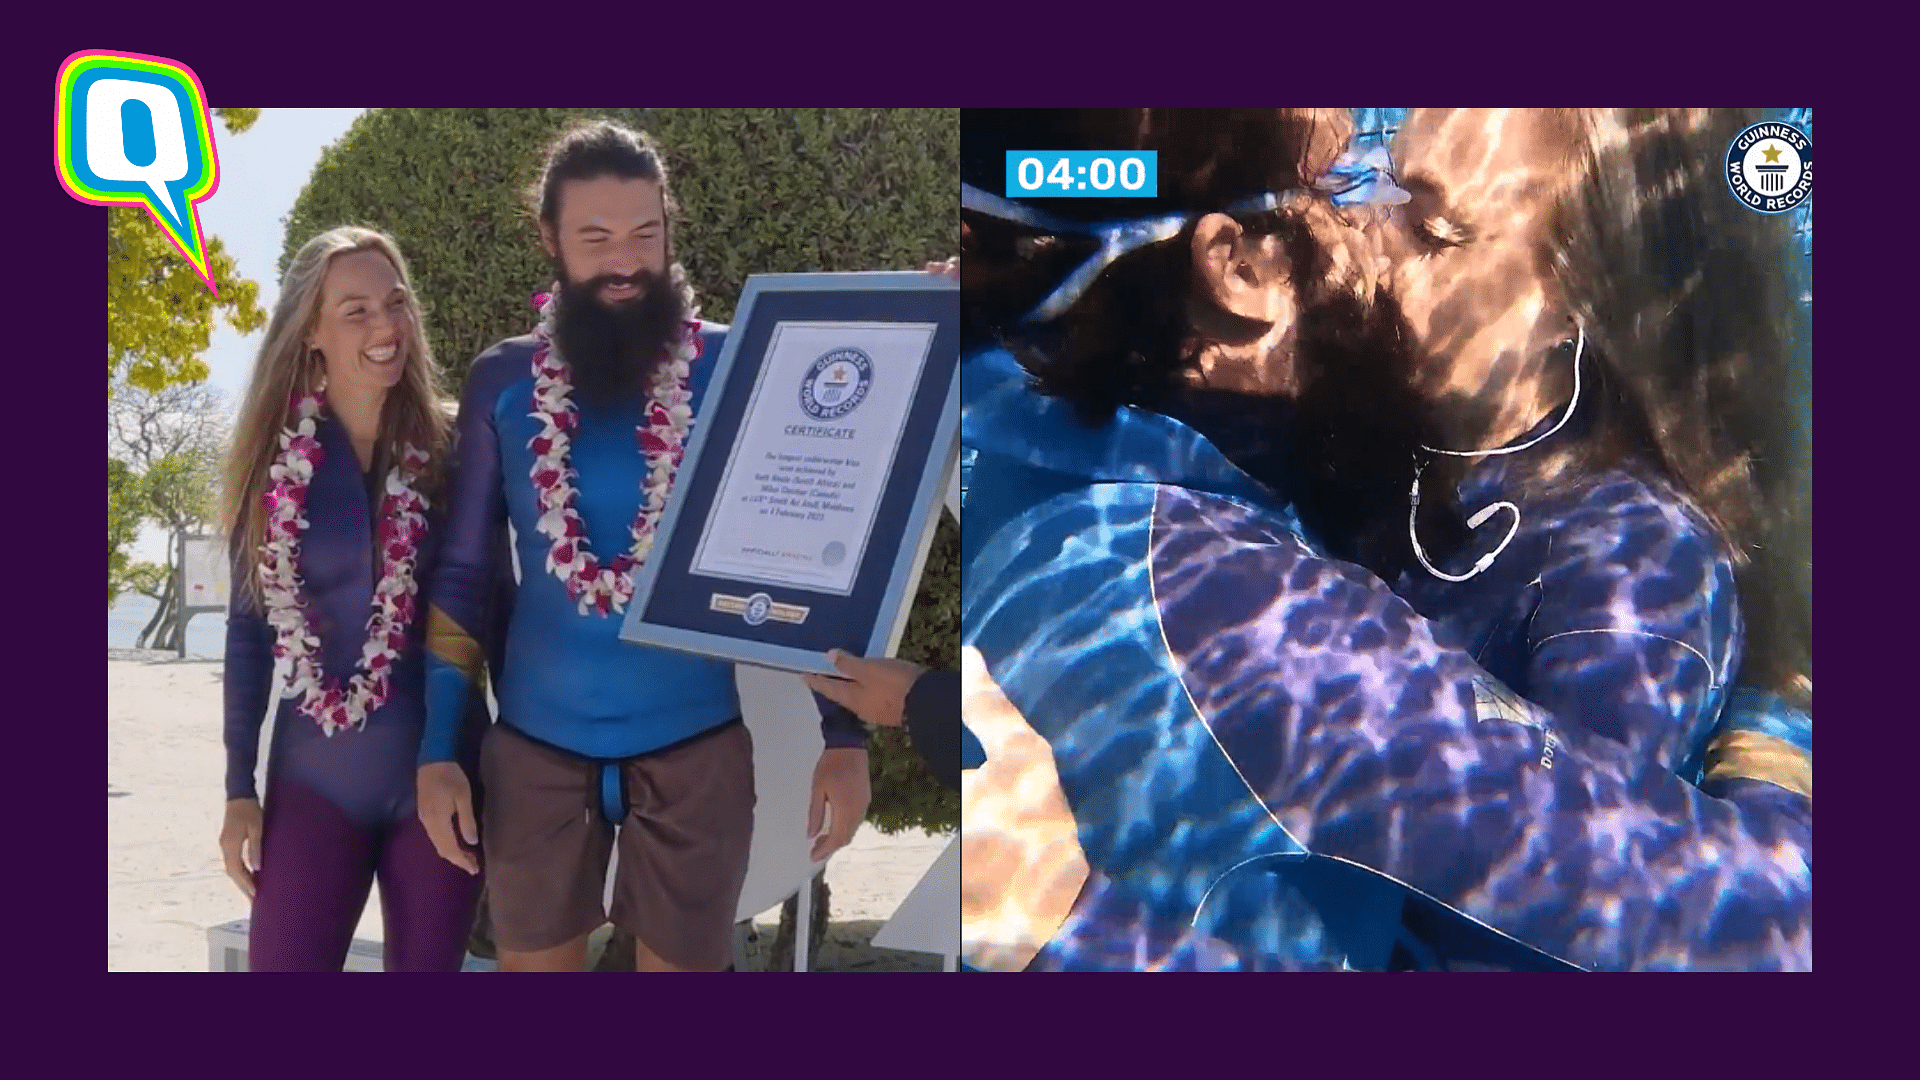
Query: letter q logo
{"type": "Point", "coordinates": [133, 130]}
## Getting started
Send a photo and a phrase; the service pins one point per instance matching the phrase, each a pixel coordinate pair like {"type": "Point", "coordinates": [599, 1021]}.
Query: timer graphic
{"type": "Point", "coordinates": [1066, 174]}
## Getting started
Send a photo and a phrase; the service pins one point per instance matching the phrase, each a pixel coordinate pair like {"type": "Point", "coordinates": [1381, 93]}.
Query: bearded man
{"type": "Point", "coordinates": [573, 435]}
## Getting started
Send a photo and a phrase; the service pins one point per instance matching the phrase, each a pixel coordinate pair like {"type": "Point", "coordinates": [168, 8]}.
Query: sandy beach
{"type": "Point", "coordinates": [165, 885]}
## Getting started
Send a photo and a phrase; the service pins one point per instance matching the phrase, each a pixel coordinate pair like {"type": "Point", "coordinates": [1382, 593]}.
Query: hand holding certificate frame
{"type": "Point", "coordinates": [820, 460]}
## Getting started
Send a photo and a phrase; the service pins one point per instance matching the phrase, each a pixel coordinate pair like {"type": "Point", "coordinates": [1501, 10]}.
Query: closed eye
{"type": "Point", "coordinates": [1436, 224]}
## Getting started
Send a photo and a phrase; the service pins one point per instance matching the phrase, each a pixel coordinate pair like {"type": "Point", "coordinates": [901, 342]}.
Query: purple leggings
{"type": "Point", "coordinates": [317, 866]}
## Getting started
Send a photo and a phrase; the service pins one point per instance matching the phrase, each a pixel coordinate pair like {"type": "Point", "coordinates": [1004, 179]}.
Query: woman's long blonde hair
{"type": "Point", "coordinates": [414, 412]}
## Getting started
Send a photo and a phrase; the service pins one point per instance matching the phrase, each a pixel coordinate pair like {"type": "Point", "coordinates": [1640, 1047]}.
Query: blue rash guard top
{"type": "Point", "coordinates": [567, 679]}
{"type": "Point", "coordinates": [1277, 763]}
{"type": "Point", "coordinates": [369, 772]}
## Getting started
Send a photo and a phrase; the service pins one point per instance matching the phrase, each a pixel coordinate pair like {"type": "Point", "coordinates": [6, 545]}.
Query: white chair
{"type": "Point", "coordinates": [928, 920]}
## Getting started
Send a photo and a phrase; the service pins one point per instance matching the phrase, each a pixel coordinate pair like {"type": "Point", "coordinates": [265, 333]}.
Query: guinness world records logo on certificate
{"type": "Point", "coordinates": [836, 384]}
{"type": "Point", "coordinates": [822, 451]}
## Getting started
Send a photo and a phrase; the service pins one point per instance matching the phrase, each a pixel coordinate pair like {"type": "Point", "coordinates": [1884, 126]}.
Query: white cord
{"type": "Point", "coordinates": [1473, 522]}
{"type": "Point", "coordinates": [1577, 351]}
{"type": "Point", "coordinates": [1480, 518]}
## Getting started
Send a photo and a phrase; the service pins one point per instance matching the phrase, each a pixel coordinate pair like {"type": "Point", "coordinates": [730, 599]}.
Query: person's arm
{"type": "Point", "coordinates": [1637, 632]}
{"type": "Point", "coordinates": [461, 595]}
{"type": "Point", "coordinates": [933, 723]}
{"type": "Point", "coordinates": [1023, 871]}
{"type": "Point", "coordinates": [1371, 743]}
{"type": "Point", "coordinates": [839, 728]}
{"type": "Point", "coordinates": [246, 684]}
{"type": "Point", "coordinates": [1761, 738]}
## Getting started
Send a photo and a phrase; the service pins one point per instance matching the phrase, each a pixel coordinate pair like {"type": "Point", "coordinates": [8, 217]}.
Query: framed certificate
{"type": "Point", "coordinates": [820, 460]}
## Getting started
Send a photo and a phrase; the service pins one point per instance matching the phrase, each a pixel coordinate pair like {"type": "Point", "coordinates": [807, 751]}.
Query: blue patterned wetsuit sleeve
{"type": "Point", "coordinates": [462, 596]}
{"type": "Point", "coordinates": [1375, 745]}
{"type": "Point", "coordinates": [1637, 630]}
{"type": "Point", "coordinates": [246, 685]}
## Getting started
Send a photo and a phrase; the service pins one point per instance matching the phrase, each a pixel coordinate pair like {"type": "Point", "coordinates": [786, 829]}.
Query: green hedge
{"type": "Point", "coordinates": [760, 191]}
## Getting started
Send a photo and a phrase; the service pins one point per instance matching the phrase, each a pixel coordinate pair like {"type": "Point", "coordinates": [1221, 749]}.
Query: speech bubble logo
{"type": "Point", "coordinates": [107, 148]}
{"type": "Point", "coordinates": [134, 130]}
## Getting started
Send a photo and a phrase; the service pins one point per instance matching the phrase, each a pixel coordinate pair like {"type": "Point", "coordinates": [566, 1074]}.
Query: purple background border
{"type": "Point", "coordinates": [911, 56]}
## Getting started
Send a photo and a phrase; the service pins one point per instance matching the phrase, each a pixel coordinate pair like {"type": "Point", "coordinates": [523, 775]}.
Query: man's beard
{"type": "Point", "coordinates": [613, 351]}
{"type": "Point", "coordinates": [1355, 432]}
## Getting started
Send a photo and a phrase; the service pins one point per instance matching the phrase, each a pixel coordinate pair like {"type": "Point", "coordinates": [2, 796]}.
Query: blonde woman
{"type": "Point", "coordinates": [335, 469]}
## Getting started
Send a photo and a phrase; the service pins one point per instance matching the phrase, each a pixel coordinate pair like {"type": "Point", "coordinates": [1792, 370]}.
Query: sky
{"type": "Point", "coordinates": [261, 174]}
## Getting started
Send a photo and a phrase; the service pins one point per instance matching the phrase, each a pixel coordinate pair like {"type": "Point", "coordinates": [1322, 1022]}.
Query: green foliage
{"type": "Point", "coordinates": [760, 191]}
{"type": "Point", "coordinates": [159, 313]}
{"type": "Point", "coordinates": [237, 120]}
{"type": "Point", "coordinates": [183, 490]}
{"type": "Point", "coordinates": [165, 454]}
{"type": "Point", "coordinates": [905, 793]}
{"type": "Point", "coordinates": [148, 579]}
{"type": "Point", "coordinates": [125, 494]}
{"type": "Point", "coordinates": [159, 320]}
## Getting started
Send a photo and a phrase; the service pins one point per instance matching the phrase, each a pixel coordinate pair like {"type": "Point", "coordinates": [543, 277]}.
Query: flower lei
{"type": "Point", "coordinates": [662, 436]}
{"type": "Point", "coordinates": [402, 526]}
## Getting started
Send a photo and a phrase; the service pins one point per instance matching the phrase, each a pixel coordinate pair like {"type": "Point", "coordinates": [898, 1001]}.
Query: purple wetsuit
{"type": "Point", "coordinates": [340, 810]}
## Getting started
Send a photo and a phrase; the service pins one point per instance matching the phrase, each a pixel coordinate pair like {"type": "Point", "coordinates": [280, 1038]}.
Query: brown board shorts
{"type": "Point", "coordinates": [684, 843]}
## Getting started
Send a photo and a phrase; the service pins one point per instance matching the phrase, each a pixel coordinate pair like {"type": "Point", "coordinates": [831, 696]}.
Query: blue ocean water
{"type": "Point", "coordinates": [206, 633]}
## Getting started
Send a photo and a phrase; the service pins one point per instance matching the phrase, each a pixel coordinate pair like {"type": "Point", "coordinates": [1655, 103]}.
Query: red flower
{"type": "Point", "coordinates": [541, 446]}
{"type": "Point", "coordinates": [563, 552]}
{"type": "Point", "coordinates": [378, 663]}
{"type": "Point", "coordinates": [653, 444]}
{"type": "Point", "coordinates": [566, 421]}
{"type": "Point", "coordinates": [546, 478]}
{"type": "Point", "coordinates": [399, 551]}
{"type": "Point", "coordinates": [575, 530]}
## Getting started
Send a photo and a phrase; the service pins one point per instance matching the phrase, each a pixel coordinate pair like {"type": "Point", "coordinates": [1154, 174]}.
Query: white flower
{"type": "Point", "coordinates": [281, 584]}
{"type": "Point", "coordinates": [552, 390]}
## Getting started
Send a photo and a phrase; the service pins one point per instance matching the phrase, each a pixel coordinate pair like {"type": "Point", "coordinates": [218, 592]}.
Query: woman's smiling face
{"type": "Point", "coordinates": [363, 324]}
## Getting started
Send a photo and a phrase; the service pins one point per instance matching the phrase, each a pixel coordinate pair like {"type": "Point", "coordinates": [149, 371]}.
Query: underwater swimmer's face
{"type": "Point", "coordinates": [1467, 254]}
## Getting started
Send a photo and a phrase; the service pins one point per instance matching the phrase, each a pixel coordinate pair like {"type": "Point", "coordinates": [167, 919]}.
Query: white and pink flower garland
{"type": "Point", "coordinates": [663, 440]}
{"type": "Point", "coordinates": [402, 525]}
